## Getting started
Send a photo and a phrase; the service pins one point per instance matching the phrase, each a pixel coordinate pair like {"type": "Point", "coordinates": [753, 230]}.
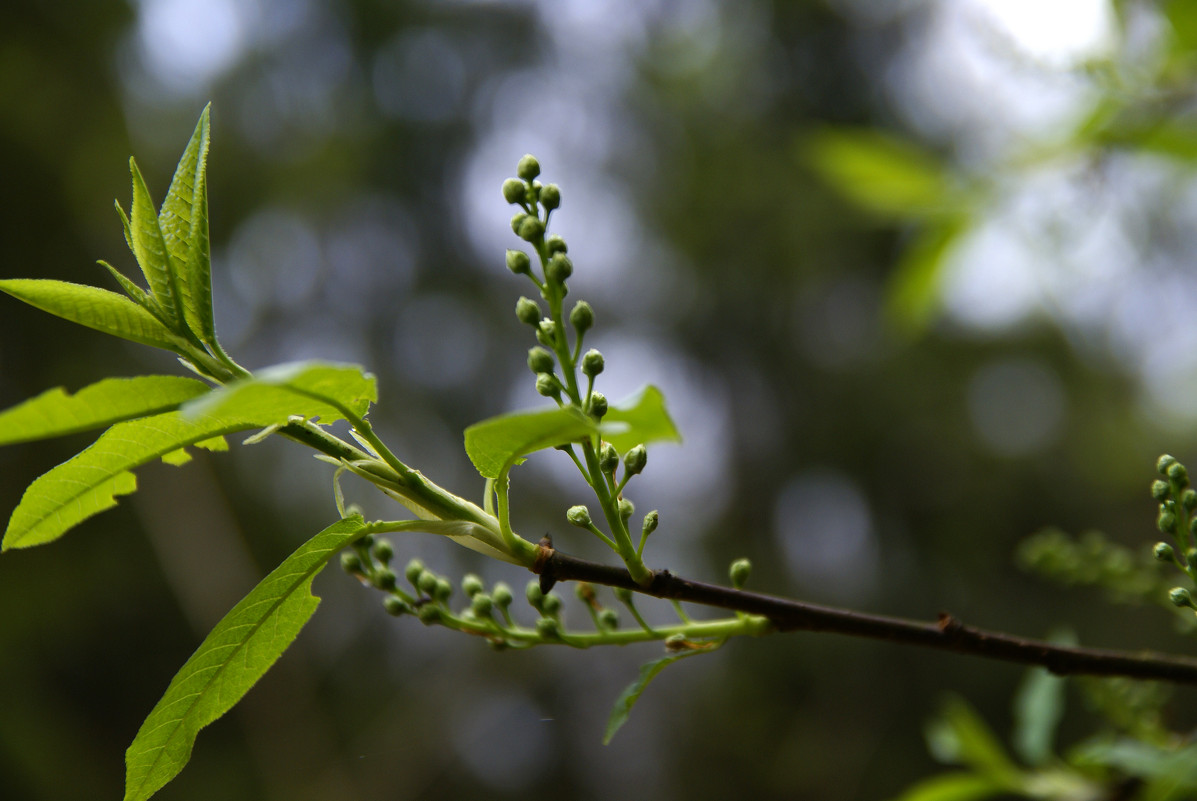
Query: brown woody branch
{"type": "Point", "coordinates": [947, 633]}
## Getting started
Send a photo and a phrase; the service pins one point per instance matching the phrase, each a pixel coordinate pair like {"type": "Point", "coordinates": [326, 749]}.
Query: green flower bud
{"type": "Point", "coordinates": [548, 385]}
{"type": "Point", "coordinates": [383, 551]}
{"type": "Point", "coordinates": [592, 363]}
{"type": "Point", "coordinates": [533, 594]}
{"type": "Point", "coordinates": [528, 311]}
{"type": "Point", "coordinates": [443, 591]}
{"type": "Point", "coordinates": [351, 563]}
{"type": "Point", "coordinates": [528, 167]}
{"type": "Point", "coordinates": [555, 244]}
{"type": "Point", "coordinates": [413, 571]}
{"type": "Point", "coordinates": [739, 572]}
{"type": "Point", "coordinates": [1164, 463]}
{"type": "Point", "coordinates": [650, 522]}
{"type": "Point", "coordinates": [517, 221]}
{"type": "Point", "coordinates": [546, 333]}
{"type": "Point", "coordinates": [623, 595]}
{"type": "Point", "coordinates": [582, 317]}
{"type": "Point", "coordinates": [531, 228]}
{"type": "Point", "coordinates": [635, 459]}
{"type": "Point", "coordinates": [626, 509]}
{"type": "Point", "coordinates": [471, 584]}
{"type": "Point", "coordinates": [366, 542]}
{"type": "Point", "coordinates": [514, 190]}
{"type": "Point", "coordinates": [1181, 597]}
{"type": "Point", "coordinates": [427, 583]}
{"type": "Point", "coordinates": [1188, 499]}
{"type": "Point", "coordinates": [481, 605]}
{"type": "Point", "coordinates": [385, 579]}
{"type": "Point", "coordinates": [1178, 474]}
{"type": "Point", "coordinates": [608, 619]}
{"type": "Point", "coordinates": [579, 516]}
{"type": "Point", "coordinates": [1163, 552]}
{"type": "Point", "coordinates": [1160, 489]}
{"type": "Point", "coordinates": [502, 595]}
{"type": "Point", "coordinates": [429, 614]}
{"type": "Point", "coordinates": [559, 268]}
{"type": "Point", "coordinates": [1166, 522]}
{"type": "Point", "coordinates": [598, 405]}
{"type": "Point", "coordinates": [548, 629]}
{"type": "Point", "coordinates": [1193, 526]}
{"type": "Point", "coordinates": [540, 360]}
{"type": "Point", "coordinates": [550, 196]}
{"type": "Point", "coordinates": [551, 605]}
{"type": "Point", "coordinates": [394, 606]}
{"type": "Point", "coordinates": [518, 262]}
{"type": "Point", "coordinates": [608, 458]}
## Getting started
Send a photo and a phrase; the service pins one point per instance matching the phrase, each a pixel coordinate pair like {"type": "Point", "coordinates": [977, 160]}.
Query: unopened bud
{"type": "Point", "coordinates": [598, 405]}
{"type": "Point", "coordinates": [1163, 463]}
{"type": "Point", "coordinates": [559, 268]}
{"type": "Point", "coordinates": [502, 595]}
{"type": "Point", "coordinates": [551, 605]}
{"type": "Point", "coordinates": [413, 571]}
{"type": "Point", "coordinates": [1188, 499]}
{"type": "Point", "coordinates": [579, 516]}
{"type": "Point", "coordinates": [582, 317]}
{"type": "Point", "coordinates": [481, 604]}
{"type": "Point", "coordinates": [533, 594]}
{"type": "Point", "coordinates": [1166, 522]}
{"type": "Point", "coordinates": [548, 628]}
{"type": "Point", "coordinates": [739, 572]}
{"type": "Point", "coordinates": [514, 190]}
{"type": "Point", "coordinates": [394, 606]}
{"type": "Point", "coordinates": [1160, 489]}
{"type": "Point", "coordinates": [622, 594]}
{"type": "Point", "coordinates": [1178, 475]}
{"type": "Point", "coordinates": [550, 196]}
{"type": "Point", "coordinates": [351, 563]}
{"type": "Point", "coordinates": [1163, 552]}
{"type": "Point", "coordinates": [650, 522]}
{"type": "Point", "coordinates": [518, 262]}
{"type": "Point", "coordinates": [517, 221]}
{"type": "Point", "coordinates": [548, 385]}
{"type": "Point", "coordinates": [540, 360]}
{"type": "Point", "coordinates": [608, 458]}
{"type": "Point", "coordinates": [635, 459]}
{"type": "Point", "coordinates": [443, 591]}
{"type": "Point", "coordinates": [528, 311]}
{"type": "Point", "coordinates": [528, 168]}
{"type": "Point", "coordinates": [1181, 597]}
{"type": "Point", "coordinates": [592, 363]}
{"type": "Point", "coordinates": [531, 228]}
{"type": "Point", "coordinates": [626, 509]}
{"type": "Point", "coordinates": [471, 584]}
{"type": "Point", "coordinates": [385, 579]}
{"type": "Point", "coordinates": [555, 244]}
{"type": "Point", "coordinates": [608, 619]}
{"type": "Point", "coordinates": [546, 332]}
{"type": "Point", "coordinates": [427, 583]}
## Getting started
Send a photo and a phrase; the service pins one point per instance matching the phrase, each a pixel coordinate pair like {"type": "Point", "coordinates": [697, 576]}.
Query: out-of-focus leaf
{"type": "Point", "coordinates": [880, 172]}
{"type": "Point", "coordinates": [640, 419]}
{"type": "Point", "coordinates": [54, 413]}
{"type": "Point", "coordinates": [308, 389]}
{"type": "Point", "coordinates": [952, 787]}
{"type": "Point", "coordinates": [1170, 773]}
{"type": "Point", "coordinates": [913, 294]}
{"type": "Point", "coordinates": [93, 307]}
{"type": "Point", "coordinates": [231, 659]}
{"type": "Point", "coordinates": [496, 444]}
{"type": "Point", "coordinates": [959, 736]}
{"type": "Point", "coordinates": [631, 694]}
{"type": "Point", "coordinates": [1038, 709]}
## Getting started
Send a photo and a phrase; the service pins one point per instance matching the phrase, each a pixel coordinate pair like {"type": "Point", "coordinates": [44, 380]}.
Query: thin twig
{"type": "Point", "coordinates": [947, 633]}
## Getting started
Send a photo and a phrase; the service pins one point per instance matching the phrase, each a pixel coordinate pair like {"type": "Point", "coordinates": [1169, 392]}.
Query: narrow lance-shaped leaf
{"type": "Point", "coordinates": [93, 307]}
{"type": "Point", "coordinates": [496, 444]}
{"type": "Point", "coordinates": [54, 413]}
{"type": "Point", "coordinates": [309, 389]}
{"type": "Point", "coordinates": [90, 482]}
{"type": "Point", "coordinates": [639, 420]}
{"type": "Point", "coordinates": [631, 694]}
{"type": "Point", "coordinates": [150, 249]}
{"type": "Point", "coordinates": [231, 659]}
{"type": "Point", "coordinates": [184, 224]}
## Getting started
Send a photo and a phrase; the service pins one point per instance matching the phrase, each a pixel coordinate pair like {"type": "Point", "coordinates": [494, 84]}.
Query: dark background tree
{"type": "Point", "coordinates": [915, 283]}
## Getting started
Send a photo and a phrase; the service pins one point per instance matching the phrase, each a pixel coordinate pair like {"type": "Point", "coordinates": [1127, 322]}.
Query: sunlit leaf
{"type": "Point", "coordinates": [914, 289]}
{"type": "Point", "coordinates": [54, 413]}
{"type": "Point", "coordinates": [309, 389]}
{"type": "Point", "coordinates": [495, 444]}
{"type": "Point", "coordinates": [184, 224]}
{"type": "Point", "coordinates": [953, 787]}
{"type": "Point", "coordinates": [631, 694]}
{"type": "Point", "coordinates": [90, 482]}
{"type": "Point", "coordinates": [880, 172]}
{"type": "Point", "coordinates": [93, 307]}
{"type": "Point", "coordinates": [231, 659]}
{"type": "Point", "coordinates": [639, 420]}
{"type": "Point", "coordinates": [150, 249]}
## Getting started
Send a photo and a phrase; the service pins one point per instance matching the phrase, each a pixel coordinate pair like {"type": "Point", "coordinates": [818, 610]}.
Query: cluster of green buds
{"type": "Point", "coordinates": [556, 362]}
{"type": "Point", "coordinates": [1178, 502]}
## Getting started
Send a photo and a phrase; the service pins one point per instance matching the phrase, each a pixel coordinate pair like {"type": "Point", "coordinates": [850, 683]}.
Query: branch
{"type": "Point", "coordinates": [947, 634]}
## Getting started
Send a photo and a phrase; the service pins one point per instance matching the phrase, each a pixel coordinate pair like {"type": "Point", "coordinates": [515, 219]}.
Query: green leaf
{"type": "Point", "coordinates": [1038, 709]}
{"type": "Point", "coordinates": [90, 482]}
{"type": "Point", "coordinates": [184, 225]}
{"type": "Point", "coordinates": [887, 175]}
{"type": "Point", "coordinates": [309, 389]}
{"type": "Point", "coordinates": [952, 787]}
{"type": "Point", "coordinates": [960, 736]}
{"type": "Point", "coordinates": [231, 659]}
{"type": "Point", "coordinates": [54, 413]}
{"type": "Point", "coordinates": [496, 444]}
{"type": "Point", "coordinates": [913, 294]}
{"type": "Point", "coordinates": [631, 694]}
{"type": "Point", "coordinates": [150, 249]}
{"type": "Point", "coordinates": [639, 420]}
{"type": "Point", "coordinates": [93, 307]}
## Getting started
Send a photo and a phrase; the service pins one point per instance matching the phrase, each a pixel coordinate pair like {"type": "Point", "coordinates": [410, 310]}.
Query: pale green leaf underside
{"type": "Point", "coordinates": [495, 444]}
{"type": "Point", "coordinates": [184, 225]}
{"type": "Point", "coordinates": [631, 694]}
{"type": "Point", "coordinates": [54, 413]}
{"type": "Point", "coordinates": [89, 482]}
{"type": "Point", "coordinates": [92, 307]}
{"type": "Point", "coordinates": [309, 389]}
{"type": "Point", "coordinates": [640, 420]}
{"type": "Point", "coordinates": [231, 659]}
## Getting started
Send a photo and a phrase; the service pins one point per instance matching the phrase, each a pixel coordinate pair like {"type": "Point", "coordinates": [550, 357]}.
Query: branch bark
{"type": "Point", "coordinates": [947, 633]}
